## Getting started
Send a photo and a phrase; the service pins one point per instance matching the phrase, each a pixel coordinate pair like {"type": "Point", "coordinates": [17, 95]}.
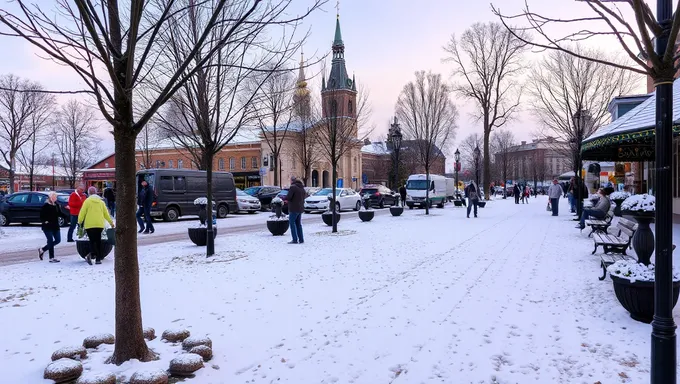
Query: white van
{"type": "Point", "coordinates": [450, 189]}
{"type": "Point", "coordinates": [416, 189]}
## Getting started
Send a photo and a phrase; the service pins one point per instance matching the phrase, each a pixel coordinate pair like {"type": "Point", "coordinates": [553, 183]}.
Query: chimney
{"type": "Point", "coordinates": [524, 143]}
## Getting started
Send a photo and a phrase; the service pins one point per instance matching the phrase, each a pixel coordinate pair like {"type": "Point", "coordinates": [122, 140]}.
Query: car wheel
{"type": "Point", "coordinates": [358, 206]}
{"type": "Point", "coordinates": [4, 221]}
{"type": "Point", "coordinates": [222, 211]}
{"type": "Point", "coordinates": [171, 214]}
{"type": "Point", "coordinates": [337, 207]}
{"type": "Point", "coordinates": [61, 220]}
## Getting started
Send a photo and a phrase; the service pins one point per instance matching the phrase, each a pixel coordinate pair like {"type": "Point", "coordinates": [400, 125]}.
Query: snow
{"type": "Point", "coordinates": [62, 366]}
{"type": "Point", "coordinates": [512, 296]}
{"type": "Point", "coordinates": [201, 201]}
{"type": "Point", "coordinates": [643, 202]}
{"type": "Point", "coordinates": [634, 271]}
{"type": "Point", "coordinates": [619, 195]}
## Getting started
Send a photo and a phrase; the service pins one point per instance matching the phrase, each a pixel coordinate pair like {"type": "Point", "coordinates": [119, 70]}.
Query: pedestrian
{"type": "Point", "coordinates": [571, 195]}
{"type": "Point", "coordinates": [145, 197]}
{"type": "Point", "coordinates": [92, 216]}
{"type": "Point", "coordinates": [75, 201]}
{"type": "Point", "coordinates": [296, 206]}
{"type": "Point", "coordinates": [554, 194]}
{"type": "Point", "coordinates": [516, 193]}
{"type": "Point", "coordinates": [49, 219]}
{"type": "Point", "coordinates": [110, 197]}
{"type": "Point", "coordinates": [402, 194]}
{"type": "Point", "coordinates": [599, 211]}
{"type": "Point", "coordinates": [527, 193]}
{"type": "Point", "coordinates": [472, 193]}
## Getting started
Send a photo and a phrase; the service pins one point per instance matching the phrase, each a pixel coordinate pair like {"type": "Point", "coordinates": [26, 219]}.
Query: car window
{"type": "Point", "coordinates": [180, 183]}
{"type": "Point", "coordinates": [19, 199]}
{"type": "Point", "coordinates": [38, 198]}
{"type": "Point", "coordinates": [166, 183]}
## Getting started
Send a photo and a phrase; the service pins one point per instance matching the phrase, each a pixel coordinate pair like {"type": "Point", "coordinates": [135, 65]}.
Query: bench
{"type": "Point", "coordinates": [616, 243]}
{"type": "Point", "coordinates": [600, 225]}
{"type": "Point", "coordinates": [607, 260]}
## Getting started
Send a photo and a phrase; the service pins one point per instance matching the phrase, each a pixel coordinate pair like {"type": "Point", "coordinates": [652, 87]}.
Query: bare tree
{"type": "Point", "coordinates": [18, 100]}
{"type": "Point", "coordinates": [304, 144]}
{"type": "Point", "coordinates": [502, 141]}
{"type": "Point", "coordinates": [489, 59]}
{"type": "Point", "coordinates": [428, 117]}
{"type": "Point", "coordinates": [38, 123]}
{"type": "Point", "coordinates": [75, 138]}
{"type": "Point", "coordinates": [147, 141]}
{"type": "Point", "coordinates": [114, 49]}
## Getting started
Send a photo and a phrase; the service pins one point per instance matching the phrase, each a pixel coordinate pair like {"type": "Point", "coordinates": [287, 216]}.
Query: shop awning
{"type": "Point", "coordinates": [630, 137]}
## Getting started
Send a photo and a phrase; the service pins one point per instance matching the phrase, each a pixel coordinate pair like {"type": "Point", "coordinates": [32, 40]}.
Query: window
{"type": "Point", "coordinates": [171, 164]}
{"type": "Point", "coordinates": [221, 165]}
{"type": "Point", "coordinates": [349, 107]}
{"type": "Point", "coordinates": [293, 163]}
{"type": "Point", "coordinates": [334, 108]}
{"type": "Point", "coordinates": [19, 199]}
{"type": "Point", "coordinates": [180, 164]}
{"type": "Point", "coordinates": [38, 198]}
{"type": "Point", "coordinates": [253, 162]}
{"type": "Point", "coordinates": [232, 163]}
{"type": "Point", "coordinates": [159, 164]}
{"type": "Point", "coordinates": [243, 163]}
{"type": "Point", "coordinates": [180, 183]}
{"type": "Point", "coordinates": [106, 165]}
{"type": "Point", "coordinates": [166, 183]}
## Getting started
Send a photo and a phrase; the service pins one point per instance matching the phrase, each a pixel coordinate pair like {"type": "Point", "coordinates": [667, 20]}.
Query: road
{"type": "Point", "coordinates": [178, 234]}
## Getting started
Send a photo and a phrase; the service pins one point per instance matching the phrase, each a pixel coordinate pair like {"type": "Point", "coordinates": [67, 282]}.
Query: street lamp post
{"type": "Point", "coordinates": [457, 168]}
{"type": "Point", "coordinates": [477, 155]}
{"type": "Point", "coordinates": [396, 137]}
{"type": "Point", "coordinates": [578, 139]}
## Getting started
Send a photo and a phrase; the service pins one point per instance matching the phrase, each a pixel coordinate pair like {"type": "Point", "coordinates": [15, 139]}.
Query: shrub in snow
{"type": "Point", "coordinates": [201, 201]}
{"type": "Point", "coordinates": [185, 364]}
{"type": "Point", "coordinates": [202, 350]}
{"type": "Point", "coordinates": [635, 271]}
{"type": "Point", "coordinates": [641, 203]}
{"type": "Point", "coordinates": [277, 200]}
{"type": "Point", "coordinates": [97, 340]}
{"type": "Point", "coordinates": [73, 352]}
{"type": "Point", "coordinates": [175, 335]}
{"type": "Point", "coordinates": [149, 333]}
{"type": "Point", "coordinates": [619, 195]}
{"type": "Point", "coordinates": [63, 370]}
{"type": "Point", "coordinates": [97, 378]}
{"type": "Point", "coordinates": [191, 342]}
{"type": "Point", "coordinates": [275, 218]}
{"type": "Point", "coordinates": [156, 376]}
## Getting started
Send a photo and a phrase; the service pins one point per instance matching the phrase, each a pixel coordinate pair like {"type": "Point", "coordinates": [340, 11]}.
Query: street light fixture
{"type": "Point", "coordinates": [477, 155]}
{"type": "Point", "coordinates": [577, 120]}
{"type": "Point", "coordinates": [457, 167]}
{"type": "Point", "coordinates": [396, 138]}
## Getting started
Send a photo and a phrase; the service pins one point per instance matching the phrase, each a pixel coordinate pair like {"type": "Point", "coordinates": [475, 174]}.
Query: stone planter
{"type": "Point", "coordinates": [83, 248]}
{"type": "Point", "coordinates": [638, 297]}
{"type": "Point", "coordinates": [277, 227]}
{"type": "Point", "coordinates": [458, 203]}
{"type": "Point", "coordinates": [617, 208]}
{"type": "Point", "coordinates": [327, 218]}
{"type": "Point", "coordinates": [481, 204]}
{"type": "Point", "coordinates": [366, 215]}
{"type": "Point", "coordinates": [199, 236]}
{"type": "Point", "coordinates": [396, 211]}
{"type": "Point", "coordinates": [643, 239]}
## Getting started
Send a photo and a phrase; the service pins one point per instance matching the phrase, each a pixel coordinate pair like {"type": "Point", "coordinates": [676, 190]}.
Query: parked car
{"type": "Point", "coordinates": [24, 208]}
{"type": "Point", "coordinates": [264, 193]}
{"type": "Point", "coordinates": [380, 195]}
{"type": "Point", "coordinates": [311, 190]}
{"type": "Point", "coordinates": [347, 198]}
{"type": "Point", "coordinates": [283, 195]}
{"type": "Point", "coordinates": [176, 190]}
{"type": "Point", "coordinates": [247, 203]}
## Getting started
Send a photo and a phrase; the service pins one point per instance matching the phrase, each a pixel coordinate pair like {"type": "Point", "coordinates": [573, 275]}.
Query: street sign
{"type": "Point", "coordinates": [263, 171]}
{"type": "Point", "coordinates": [364, 178]}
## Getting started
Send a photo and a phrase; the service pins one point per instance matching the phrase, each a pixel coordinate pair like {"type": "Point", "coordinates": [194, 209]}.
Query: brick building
{"type": "Point", "coordinates": [378, 162]}
{"type": "Point", "coordinates": [45, 177]}
{"type": "Point", "coordinates": [537, 161]}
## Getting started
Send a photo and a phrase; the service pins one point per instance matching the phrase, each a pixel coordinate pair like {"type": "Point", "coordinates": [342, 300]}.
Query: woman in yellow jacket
{"type": "Point", "coordinates": [92, 215]}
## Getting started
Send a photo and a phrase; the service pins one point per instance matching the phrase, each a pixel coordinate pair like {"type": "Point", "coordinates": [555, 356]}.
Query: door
{"type": "Point", "coordinates": [17, 206]}
{"type": "Point", "coordinates": [35, 203]}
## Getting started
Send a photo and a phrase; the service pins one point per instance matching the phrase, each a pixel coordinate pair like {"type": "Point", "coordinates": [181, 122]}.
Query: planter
{"type": "Point", "coordinates": [199, 236]}
{"type": "Point", "coordinates": [638, 297]}
{"type": "Point", "coordinates": [643, 239]}
{"type": "Point", "coordinates": [458, 203]}
{"type": "Point", "coordinates": [327, 218]}
{"type": "Point", "coordinates": [366, 215]}
{"type": "Point", "coordinates": [83, 248]}
{"type": "Point", "coordinates": [481, 204]}
{"type": "Point", "coordinates": [396, 211]}
{"type": "Point", "coordinates": [277, 227]}
{"type": "Point", "coordinates": [617, 208]}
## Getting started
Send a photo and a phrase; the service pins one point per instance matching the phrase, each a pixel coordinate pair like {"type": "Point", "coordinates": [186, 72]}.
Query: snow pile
{"type": "Point", "coordinates": [619, 195]}
{"type": "Point", "coordinates": [277, 200]}
{"type": "Point", "coordinates": [275, 218]}
{"type": "Point", "coordinates": [646, 203]}
{"type": "Point", "coordinates": [202, 201]}
{"type": "Point", "coordinates": [635, 271]}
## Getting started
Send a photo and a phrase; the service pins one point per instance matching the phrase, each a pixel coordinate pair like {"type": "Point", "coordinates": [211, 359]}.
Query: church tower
{"type": "Point", "coordinates": [301, 98]}
{"type": "Point", "coordinates": [338, 94]}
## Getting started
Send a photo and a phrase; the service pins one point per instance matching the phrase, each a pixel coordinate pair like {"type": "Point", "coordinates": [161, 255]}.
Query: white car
{"type": "Point", "coordinates": [247, 203]}
{"type": "Point", "coordinates": [347, 199]}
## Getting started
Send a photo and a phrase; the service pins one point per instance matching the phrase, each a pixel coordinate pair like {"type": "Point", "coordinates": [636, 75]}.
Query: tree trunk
{"type": "Point", "coordinates": [210, 245]}
{"type": "Point", "coordinates": [335, 183]}
{"type": "Point", "coordinates": [130, 343]}
{"type": "Point", "coordinates": [12, 173]}
{"type": "Point", "coordinates": [275, 160]}
{"type": "Point", "coordinates": [487, 165]}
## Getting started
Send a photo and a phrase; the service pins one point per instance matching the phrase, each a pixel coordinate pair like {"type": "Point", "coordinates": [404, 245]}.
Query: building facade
{"type": "Point", "coordinates": [537, 161]}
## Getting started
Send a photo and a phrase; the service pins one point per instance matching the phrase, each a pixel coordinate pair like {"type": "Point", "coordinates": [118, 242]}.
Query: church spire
{"type": "Point", "coordinates": [301, 99]}
{"type": "Point", "coordinates": [338, 78]}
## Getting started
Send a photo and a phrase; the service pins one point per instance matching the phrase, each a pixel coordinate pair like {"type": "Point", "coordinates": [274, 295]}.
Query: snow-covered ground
{"type": "Point", "coordinates": [510, 297]}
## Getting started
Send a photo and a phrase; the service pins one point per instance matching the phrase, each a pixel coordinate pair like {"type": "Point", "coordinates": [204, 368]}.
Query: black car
{"type": "Point", "coordinates": [380, 195]}
{"type": "Point", "coordinates": [264, 193]}
{"type": "Point", "coordinates": [283, 195]}
{"type": "Point", "coordinates": [24, 208]}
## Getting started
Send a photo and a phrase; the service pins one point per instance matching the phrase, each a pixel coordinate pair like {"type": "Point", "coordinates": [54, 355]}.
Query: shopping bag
{"type": "Point", "coordinates": [81, 230]}
{"type": "Point", "coordinates": [111, 236]}
{"type": "Point", "coordinates": [548, 208]}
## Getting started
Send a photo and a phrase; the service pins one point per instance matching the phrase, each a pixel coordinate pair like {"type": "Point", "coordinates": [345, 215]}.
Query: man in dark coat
{"type": "Point", "coordinates": [516, 192]}
{"type": "Point", "coordinates": [402, 194]}
{"type": "Point", "coordinates": [145, 197]}
{"type": "Point", "coordinates": [296, 206]}
{"type": "Point", "coordinates": [110, 197]}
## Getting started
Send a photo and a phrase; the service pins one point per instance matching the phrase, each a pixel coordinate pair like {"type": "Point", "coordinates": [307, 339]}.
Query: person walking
{"type": "Point", "coordinates": [145, 197]}
{"type": "Point", "coordinates": [599, 211]}
{"type": "Point", "coordinates": [527, 193]}
{"type": "Point", "coordinates": [402, 194]}
{"type": "Point", "coordinates": [472, 193]}
{"type": "Point", "coordinates": [571, 195]}
{"type": "Point", "coordinates": [296, 206]}
{"type": "Point", "coordinates": [110, 197]}
{"type": "Point", "coordinates": [75, 201]}
{"type": "Point", "coordinates": [516, 192]}
{"type": "Point", "coordinates": [49, 223]}
{"type": "Point", "coordinates": [554, 194]}
{"type": "Point", "coordinates": [91, 218]}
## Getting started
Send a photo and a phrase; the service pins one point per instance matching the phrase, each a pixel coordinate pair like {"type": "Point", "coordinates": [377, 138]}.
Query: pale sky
{"type": "Point", "coordinates": [386, 41]}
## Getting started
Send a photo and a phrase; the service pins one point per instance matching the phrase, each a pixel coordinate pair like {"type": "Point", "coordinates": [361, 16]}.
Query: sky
{"type": "Point", "coordinates": [385, 43]}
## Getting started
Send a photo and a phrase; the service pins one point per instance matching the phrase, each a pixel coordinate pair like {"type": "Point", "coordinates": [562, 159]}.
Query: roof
{"type": "Point", "coordinates": [376, 148]}
{"type": "Point", "coordinates": [38, 169]}
{"type": "Point", "coordinates": [243, 136]}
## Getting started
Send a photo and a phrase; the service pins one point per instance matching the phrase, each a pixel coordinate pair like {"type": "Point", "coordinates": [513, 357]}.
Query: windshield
{"type": "Point", "coordinates": [324, 192]}
{"type": "Point", "coordinates": [241, 193]}
{"type": "Point", "coordinates": [416, 184]}
{"type": "Point", "coordinates": [370, 191]}
{"type": "Point", "coordinates": [252, 191]}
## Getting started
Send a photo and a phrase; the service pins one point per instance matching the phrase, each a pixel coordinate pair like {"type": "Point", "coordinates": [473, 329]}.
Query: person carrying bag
{"type": "Point", "coordinates": [92, 216]}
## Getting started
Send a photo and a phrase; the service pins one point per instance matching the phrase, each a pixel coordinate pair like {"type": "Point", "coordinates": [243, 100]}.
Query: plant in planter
{"type": "Point", "coordinates": [618, 198]}
{"type": "Point", "coordinates": [366, 213]}
{"type": "Point", "coordinates": [327, 216]}
{"type": "Point", "coordinates": [634, 288]}
{"type": "Point", "coordinates": [397, 209]}
{"type": "Point", "coordinates": [83, 244]}
{"type": "Point", "coordinates": [278, 223]}
{"type": "Point", "coordinates": [199, 235]}
{"type": "Point", "coordinates": [642, 209]}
